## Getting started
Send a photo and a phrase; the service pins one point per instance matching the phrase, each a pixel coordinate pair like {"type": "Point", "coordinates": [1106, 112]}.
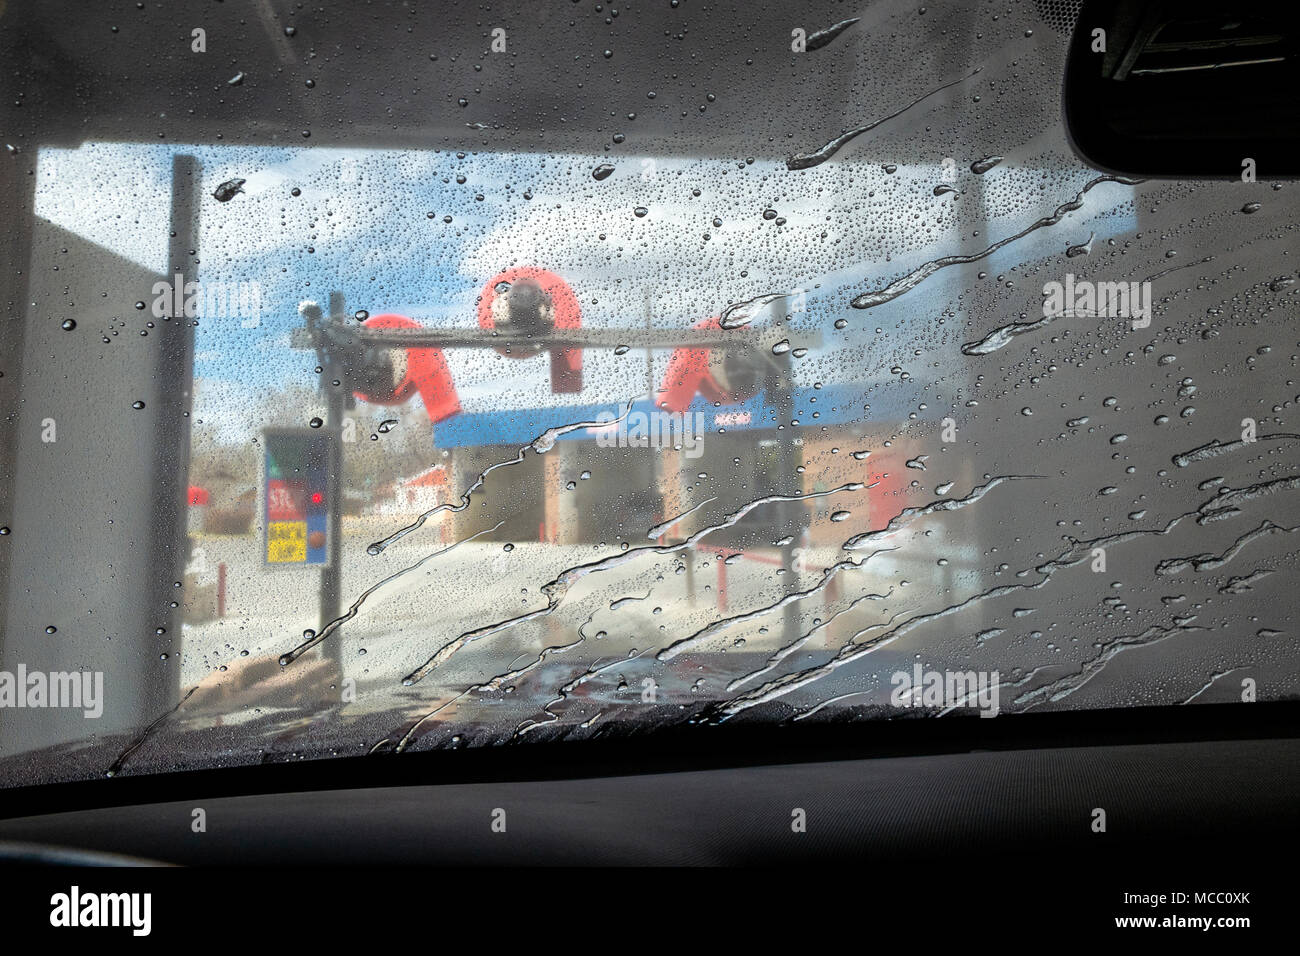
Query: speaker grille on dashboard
{"type": "Point", "coordinates": [1059, 14]}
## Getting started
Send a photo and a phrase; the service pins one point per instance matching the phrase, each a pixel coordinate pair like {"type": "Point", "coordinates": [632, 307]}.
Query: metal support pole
{"type": "Point", "coordinates": [174, 395]}
{"type": "Point", "coordinates": [18, 199]}
{"type": "Point", "coordinates": [221, 590]}
{"type": "Point", "coordinates": [691, 555]}
{"type": "Point", "coordinates": [781, 394]}
{"type": "Point", "coordinates": [331, 576]}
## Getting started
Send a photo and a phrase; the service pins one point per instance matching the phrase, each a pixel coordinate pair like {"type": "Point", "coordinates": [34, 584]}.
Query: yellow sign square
{"type": "Point", "coordinates": [286, 542]}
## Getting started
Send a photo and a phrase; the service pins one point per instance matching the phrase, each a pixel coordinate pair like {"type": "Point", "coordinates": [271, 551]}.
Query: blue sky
{"type": "Point", "coordinates": [361, 225]}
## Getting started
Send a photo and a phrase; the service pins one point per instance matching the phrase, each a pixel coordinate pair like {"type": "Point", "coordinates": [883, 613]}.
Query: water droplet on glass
{"type": "Point", "coordinates": [1082, 249]}
{"type": "Point", "coordinates": [228, 190]}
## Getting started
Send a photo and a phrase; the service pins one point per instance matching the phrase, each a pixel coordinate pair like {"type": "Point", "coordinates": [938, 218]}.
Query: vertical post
{"type": "Point", "coordinates": [781, 394]}
{"type": "Point", "coordinates": [974, 529]}
{"type": "Point", "coordinates": [221, 590]}
{"type": "Point", "coordinates": [690, 576]}
{"type": "Point", "coordinates": [18, 199]}
{"type": "Point", "coordinates": [649, 352]}
{"type": "Point", "coordinates": [173, 394]}
{"type": "Point", "coordinates": [722, 583]}
{"type": "Point", "coordinates": [331, 576]}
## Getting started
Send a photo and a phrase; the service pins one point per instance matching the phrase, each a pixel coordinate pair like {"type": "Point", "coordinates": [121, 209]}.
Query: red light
{"type": "Point", "coordinates": [317, 497]}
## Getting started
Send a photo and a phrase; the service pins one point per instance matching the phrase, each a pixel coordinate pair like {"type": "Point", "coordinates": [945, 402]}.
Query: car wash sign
{"type": "Point", "coordinates": [831, 405]}
{"type": "Point", "coordinates": [295, 513]}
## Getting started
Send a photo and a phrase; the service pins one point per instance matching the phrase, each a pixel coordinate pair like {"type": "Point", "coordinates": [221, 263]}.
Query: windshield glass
{"type": "Point", "coordinates": [847, 394]}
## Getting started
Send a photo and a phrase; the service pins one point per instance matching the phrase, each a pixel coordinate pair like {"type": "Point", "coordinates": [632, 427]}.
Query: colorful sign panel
{"type": "Point", "coordinates": [295, 509]}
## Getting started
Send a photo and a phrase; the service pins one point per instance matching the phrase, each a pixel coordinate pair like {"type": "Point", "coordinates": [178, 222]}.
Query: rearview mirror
{"type": "Point", "coordinates": [1186, 88]}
